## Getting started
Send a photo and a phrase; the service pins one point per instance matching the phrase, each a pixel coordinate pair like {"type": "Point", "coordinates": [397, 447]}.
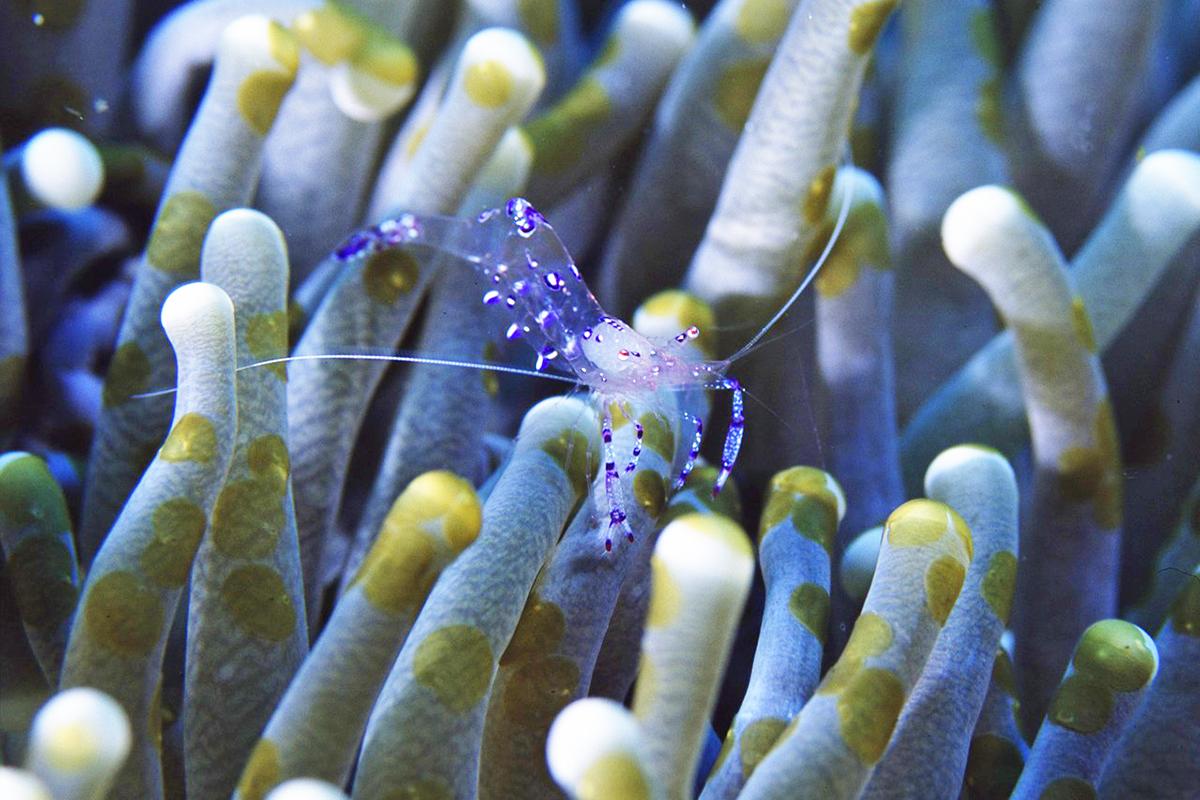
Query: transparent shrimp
{"type": "Point", "coordinates": [528, 270]}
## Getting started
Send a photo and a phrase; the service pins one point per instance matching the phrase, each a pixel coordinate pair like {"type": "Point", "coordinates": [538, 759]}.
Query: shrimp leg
{"type": "Point", "coordinates": [616, 516]}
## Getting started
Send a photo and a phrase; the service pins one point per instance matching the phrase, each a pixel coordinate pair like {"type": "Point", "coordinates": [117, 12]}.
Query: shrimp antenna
{"type": "Point", "coordinates": [843, 214]}
{"type": "Point", "coordinates": [484, 366]}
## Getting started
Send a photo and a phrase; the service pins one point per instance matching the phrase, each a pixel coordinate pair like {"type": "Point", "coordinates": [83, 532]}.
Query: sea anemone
{"type": "Point", "coordinates": [286, 518]}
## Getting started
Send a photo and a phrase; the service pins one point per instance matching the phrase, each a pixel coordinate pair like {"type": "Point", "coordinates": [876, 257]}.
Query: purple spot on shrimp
{"type": "Point", "coordinates": [521, 288]}
{"type": "Point", "coordinates": [547, 319]}
{"type": "Point", "coordinates": [510, 301]}
{"type": "Point", "coordinates": [356, 244]}
{"type": "Point", "coordinates": [513, 332]}
{"type": "Point", "coordinates": [524, 216]}
{"type": "Point", "coordinates": [575, 272]}
{"type": "Point", "coordinates": [533, 263]}
{"type": "Point", "coordinates": [553, 280]}
{"type": "Point", "coordinates": [491, 298]}
{"type": "Point", "coordinates": [587, 334]}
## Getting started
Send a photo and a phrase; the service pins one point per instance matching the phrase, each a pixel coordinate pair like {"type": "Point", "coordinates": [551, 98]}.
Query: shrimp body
{"type": "Point", "coordinates": [528, 270]}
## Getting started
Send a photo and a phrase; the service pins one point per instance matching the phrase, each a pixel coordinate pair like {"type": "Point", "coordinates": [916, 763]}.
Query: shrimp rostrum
{"type": "Point", "coordinates": [527, 270]}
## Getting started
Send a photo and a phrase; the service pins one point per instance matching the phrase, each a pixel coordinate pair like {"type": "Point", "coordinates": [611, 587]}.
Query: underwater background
{"type": "Point", "coordinates": [947, 248]}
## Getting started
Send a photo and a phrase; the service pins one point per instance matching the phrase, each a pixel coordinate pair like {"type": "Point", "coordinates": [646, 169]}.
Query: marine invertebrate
{"type": "Point", "coordinates": [475, 634]}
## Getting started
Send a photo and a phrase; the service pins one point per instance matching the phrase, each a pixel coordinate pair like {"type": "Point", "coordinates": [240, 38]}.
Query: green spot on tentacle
{"type": "Point", "coordinates": [123, 614]}
{"type": "Point", "coordinates": [762, 21]}
{"type": "Point", "coordinates": [1185, 611]}
{"type": "Point", "coordinates": [863, 242]}
{"type": "Point", "coordinates": [128, 374]}
{"type": "Point", "coordinates": [489, 83]}
{"type": "Point", "coordinates": [262, 772]}
{"type": "Point", "coordinates": [538, 689]}
{"type": "Point", "coordinates": [735, 90]}
{"type": "Point", "coordinates": [872, 635]}
{"type": "Point", "coordinates": [809, 604]}
{"type": "Point", "coordinates": [649, 492]}
{"type": "Point", "coordinates": [267, 337]}
{"type": "Point", "coordinates": [1082, 322]}
{"type": "Point", "coordinates": [456, 664]}
{"type": "Point", "coordinates": [247, 519]}
{"type": "Point", "coordinates": [387, 60]}
{"type": "Point", "coordinates": [29, 495]}
{"type": "Point", "coordinates": [540, 19]}
{"type": "Point", "coordinates": [1081, 704]}
{"type": "Point", "coordinates": [258, 600]}
{"type": "Point", "coordinates": [943, 581]}
{"type": "Point", "coordinates": [1003, 674]}
{"type": "Point", "coordinates": [666, 598]}
{"type": "Point", "coordinates": [805, 495]}
{"type": "Point", "coordinates": [178, 234]}
{"type": "Point", "coordinates": [984, 38]}
{"type": "Point", "coordinates": [1093, 473]}
{"type": "Point", "coordinates": [613, 775]}
{"type": "Point", "coordinates": [259, 97]}
{"type": "Point", "coordinates": [868, 709]}
{"type": "Point", "coordinates": [994, 765]}
{"type": "Point", "coordinates": [573, 452]}
{"type": "Point", "coordinates": [268, 459]}
{"type": "Point", "coordinates": [331, 33]}
{"type": "Point", "coordinates": [866, 22]}
{"type": "Point", "coordinates": [757, 740]}
{"type": "Point", "coordinates": [1070, 788]}
{"type": "Point", "coordinates": [42, 574]}
{"type": "Point", "coordinates": [816, 198]}
{"type": "Point", "coordinates": [657, 435]}
{"type": "Point", "coordinates": [999, 583]}
{"type": "Point", "coordinates": [178, 526]}
{"type": "Point", "coordinates": [194, 438]}
{"type": "Point", "coordinates": [558, 135]}
{"type": "Point", "coordinates": [389, 275]}
{"type": "Point", "coordinates": [538, 633]}
{"type": "Point", "coordinates": [1116, 654]}
{"type": "Point", "coordinates": [12, 376]}
{"type": "Point", "coordinates": [989, 110]}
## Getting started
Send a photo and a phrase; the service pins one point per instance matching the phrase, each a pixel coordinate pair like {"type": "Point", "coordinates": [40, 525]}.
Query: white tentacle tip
{"type": "Point", "coordinates": [306, 789]}
{"type": "Point", "coordinates": [980, 219]}
{"type": "Point", "coordinates": [62, 169]}
{"type": "Point", "coordinates": [963, 456]}
{"type": "Point", "coordinates": [596, 744]}
{"type": "Point", "coordinates": [500, 68]}
{"type": "Point", "coordinates": [196, 308]}
{"type": "Point", "coordinates": [707, 550]}
{"type": "Point", "coordinates": [376, 83]}
{"type": "Point", "coordinates": [252, 233]}
{"type": "Point", "coordinates": [79, 733]}
{"type": "Point", "coordinates": [17, 784]}
{"type": "Point", "coordinates": [557, 415]}
{"type": "Point", "coordinates": [669, 25]}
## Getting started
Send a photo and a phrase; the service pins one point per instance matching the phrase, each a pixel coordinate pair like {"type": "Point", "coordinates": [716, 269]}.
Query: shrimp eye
{"type": "Point", "coordinates": [693, 332]}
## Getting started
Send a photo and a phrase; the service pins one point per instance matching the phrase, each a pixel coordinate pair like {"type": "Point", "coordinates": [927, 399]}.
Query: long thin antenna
{"type": "Point", "coordinates": [484, 366]}
{"type": "Point", "coordinates": [843, 214]}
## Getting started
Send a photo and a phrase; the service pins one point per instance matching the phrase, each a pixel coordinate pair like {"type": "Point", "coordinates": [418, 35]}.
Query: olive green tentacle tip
{"type": "Point", "coordinates": [812, 499]}
{"type": "Point", "coordinates": [1113, 656]}
{"type": "Point", "coordinates": [1117, 654]}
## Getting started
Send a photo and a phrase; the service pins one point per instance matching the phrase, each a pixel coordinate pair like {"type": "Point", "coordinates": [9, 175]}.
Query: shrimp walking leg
{"type": "Point", "coordinates": [639, 433]}
{"type": "Point", "coordinates": [733, 437]}
{"type": "Point", "coordinates": [616, 516]}
{"type": "Point", "coordinates": [693, 452]}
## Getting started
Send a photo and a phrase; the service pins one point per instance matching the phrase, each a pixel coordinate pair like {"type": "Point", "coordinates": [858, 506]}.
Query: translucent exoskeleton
{"type": "Point", "coordinates": [528, 270]}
